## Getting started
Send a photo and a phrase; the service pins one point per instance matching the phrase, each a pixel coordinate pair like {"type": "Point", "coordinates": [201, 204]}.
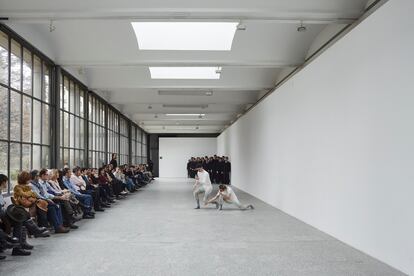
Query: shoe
{"type": "Point", "coordinates": [44, 234]}
{"type": "Point", "coordinates": [12, 240]}
{"type": "Point", "coordinates": [99, 210]}
{"type": "Point", "coordinates": [62, 230]}
{"type": "Point", "coordinates": [73, 226]}
{"type": "Point", "coordinates": [2, 257]}
{"type": "Point", "coordinates": [20, 252]}
{"type": "Point", "coordinates": [8, 245]}
{"type": "Point", "coordinates": [106, 205]}
{"type": "Point", "coordinates": [88, 216]}
{"type": "Point", "coordinates": [27, 246]}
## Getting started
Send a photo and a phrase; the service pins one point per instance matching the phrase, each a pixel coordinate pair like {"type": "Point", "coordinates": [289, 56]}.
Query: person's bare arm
{"type": "Point", "coordinates": [213, 199]}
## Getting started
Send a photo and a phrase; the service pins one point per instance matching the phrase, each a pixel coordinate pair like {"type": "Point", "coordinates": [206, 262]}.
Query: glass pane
{"type": "Point", "coordinates": [3, 161]}
{"type": "Point", "coordinates": [46, 83]}
{"type": "Point", "coordinates": [82, 134]}
{"type": "Point", "coordinates": [72, 132]}
{"type": "Point", "coordinates": [72, 158]}
{"type": "Point", "coordinates": [66, 157]}
{"type": "Point", "coordinates": [81, 158]}
{"type": "Point", "coordinates": [76, 102]}
{"type": "Point", "coordinates": [16, 65]}
{"type": "Point", "coordinates": [4, 58]}
{"type": "Point", "coordinates": [27, 71]}
{"type": "Point", "coordinates": [37, 77]}
{"type": "Point", "coordinates": [27, 119]}
{"type": "Point", "coordinates": [45, 157]}
{"type": "Point", "coordinates": [3, 157]}
{"type": "Point", "coordinates": [66, 94]}
{"type": "Point", "coordinates": [36, 158]}
{"type": "Point", "coordinates": [61, 94]}
{"type": "Point", "coordinates": [81, 103]}
{"type": "Point", "coordinates": [26, 157]}
{"type": "Point", "coordinates": [66, 130]}
{"type": "Point", "coordinates": [15, 115]}
{"type": "Point", "coordinates": [46, 124]}
{"type": "Point", "coordinates": [76, 130]}
{"type": "Point", "coordinates": [4, 112]}
{"type": "Point", "coordinates": [14, 161]}
{"type": "Point", "coordinates": [37, 121]}
{"type": "Point", "coordinates": [72, 97]}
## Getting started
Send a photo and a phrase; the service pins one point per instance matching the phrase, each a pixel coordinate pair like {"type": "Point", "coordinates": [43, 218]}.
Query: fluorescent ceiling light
{"type": "Point", "coordinates": [187, 114]}
{"type": "Point", "coordinates": [185, 93]}
{"type": "Point", "coordinates": [185, 72]}
{"type": "Point", "coordinates": [203, 36]}
{"type": "Point", "coordinates": [185, 106]}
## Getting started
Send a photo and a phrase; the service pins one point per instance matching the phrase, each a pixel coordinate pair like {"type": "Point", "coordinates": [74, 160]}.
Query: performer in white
{"type": "Point", "coordinates": [226, 194]}
{"type": "Point", "coordinates": [202, 185]}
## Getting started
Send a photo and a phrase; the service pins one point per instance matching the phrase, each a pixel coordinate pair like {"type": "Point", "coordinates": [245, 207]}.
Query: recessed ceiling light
{"type": "Point", "coordinates": [185, 72]}
{"type": "Point", "coordinates": [203, 36]}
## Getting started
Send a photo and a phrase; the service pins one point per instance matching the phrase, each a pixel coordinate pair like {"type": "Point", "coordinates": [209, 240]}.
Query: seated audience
{"type": "Point", "coordinates": [85, 199]}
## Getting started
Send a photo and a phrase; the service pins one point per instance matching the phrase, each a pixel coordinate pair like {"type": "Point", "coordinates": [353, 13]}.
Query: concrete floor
{"type": "Point", "coordinates": [157, 232]}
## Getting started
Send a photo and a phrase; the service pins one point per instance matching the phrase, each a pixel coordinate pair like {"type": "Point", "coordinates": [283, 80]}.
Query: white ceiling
{"type": "Point", "coordinates": [96, 36]}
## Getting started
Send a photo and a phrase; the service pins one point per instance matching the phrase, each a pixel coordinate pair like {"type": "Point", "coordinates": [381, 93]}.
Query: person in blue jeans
{"type": "Point", "coordinates": [54, 213]}
{"type": "Point", "coordinates": [85, 199]}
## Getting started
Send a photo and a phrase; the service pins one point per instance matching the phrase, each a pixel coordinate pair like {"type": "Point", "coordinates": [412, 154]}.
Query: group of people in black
{"type": "Point", "coordinates": [218, 168]}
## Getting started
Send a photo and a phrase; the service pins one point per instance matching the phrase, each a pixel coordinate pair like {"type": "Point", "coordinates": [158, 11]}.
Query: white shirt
{"type": "Point", "coordinates": [229, 195]}
{"type": "Point", "coordinates": [204, 178]}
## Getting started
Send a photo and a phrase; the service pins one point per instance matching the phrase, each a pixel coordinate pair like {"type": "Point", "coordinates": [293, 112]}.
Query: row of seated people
{"type": "Point", "coordinates": [53, 200]}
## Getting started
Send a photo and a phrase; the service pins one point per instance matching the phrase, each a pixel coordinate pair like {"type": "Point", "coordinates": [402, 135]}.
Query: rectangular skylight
{"type": "Point", "coordinates": [185, 72]}
{"type": "Point", "coordinates": [206, 36]}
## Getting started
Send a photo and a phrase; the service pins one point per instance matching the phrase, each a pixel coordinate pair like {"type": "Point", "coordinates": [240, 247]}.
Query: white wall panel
{"type": "Point", "coordinates": [335, 144]}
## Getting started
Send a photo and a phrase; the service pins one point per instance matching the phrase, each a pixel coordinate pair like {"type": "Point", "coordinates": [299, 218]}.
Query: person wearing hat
{"type": "Point", "coordinates": [202, 185]}
{"type": "Point", "coordinates": [13, 216]}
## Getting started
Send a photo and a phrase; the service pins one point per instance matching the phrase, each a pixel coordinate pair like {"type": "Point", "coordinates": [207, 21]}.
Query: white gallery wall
{"type": "Point", "coordinates": [335, 143]}
{"type": "Point", "coordinates": [175, 152]}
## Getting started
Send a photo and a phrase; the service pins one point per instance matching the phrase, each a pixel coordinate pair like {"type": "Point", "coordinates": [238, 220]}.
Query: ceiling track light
{"type": "Point", "coordinates": [301, 28]}
{"type": "Point", "coordinates": [218, 70]}
{"type": "Point", "coordinates": [241, 27]}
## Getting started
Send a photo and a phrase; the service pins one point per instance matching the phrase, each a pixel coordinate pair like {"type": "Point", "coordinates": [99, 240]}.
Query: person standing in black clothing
{"type": "Point", "coordinates": [227, 170]}
{"type": "Point", "coordinates": [113, 162]}
{"type": "Point", "coordinates": [193, 164]}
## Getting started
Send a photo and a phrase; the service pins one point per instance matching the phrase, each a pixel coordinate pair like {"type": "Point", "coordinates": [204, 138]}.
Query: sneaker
{"type": "Point", "coordinates": [20, 252]}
